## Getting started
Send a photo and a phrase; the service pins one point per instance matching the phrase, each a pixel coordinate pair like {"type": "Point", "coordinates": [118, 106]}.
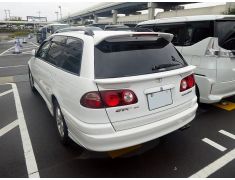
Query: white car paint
{"type": "Point", "coordinates": [108, 129]}
{"type": "Point", "coordinates": [215, 75]}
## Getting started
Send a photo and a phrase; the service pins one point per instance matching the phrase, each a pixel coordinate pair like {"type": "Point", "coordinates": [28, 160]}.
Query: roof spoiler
{"type": "Point", "coordinates": [166, 36]}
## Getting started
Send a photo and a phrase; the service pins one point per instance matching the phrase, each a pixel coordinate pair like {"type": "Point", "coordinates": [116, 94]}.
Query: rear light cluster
{"type": "Point", "coordinates": [106, 99]}
{"type": "Point", "coordinates": [187, 83]}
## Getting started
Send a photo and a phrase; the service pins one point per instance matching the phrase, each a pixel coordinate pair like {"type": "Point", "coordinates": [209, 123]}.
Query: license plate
{"type": "Point", "coordinates": [159, 99]}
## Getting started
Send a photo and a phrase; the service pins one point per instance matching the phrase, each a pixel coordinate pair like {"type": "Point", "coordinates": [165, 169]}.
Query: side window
{"type": "Point", "coordinates": [178, 30]}
{"type": "Point", "coordinates": [42, 52]}
{"type": "Point", "coordinates": [72, 55]}
{"type": "Point", "coordinates": [56, 52]}
{"type": "Point", "coordinates": [197, 31]}
{"type": "Point", "coordinates": [49, 29]}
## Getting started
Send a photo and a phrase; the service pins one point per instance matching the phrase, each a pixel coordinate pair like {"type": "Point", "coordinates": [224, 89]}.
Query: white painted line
{"type": "Point", "coordinates": [214, 144]}
{"type": "Point", "coordinates": [12, 66]}
{"type": "Point", "coordinates": [34, 44]}
{"type": "Point", "coordinates": [27, 52]}
{"type": "Point", "coordinates": [215, 166]}
{"type": "Point", "coordinates": [6, 50]}
{"type": "Point", "coordinates": [5, 93]}
{"type": "Point", "coordinates": [27, 48]}
{"type": "Point", "coordinates": [31, 164]}
{"type": "Point", "coordinates": [15, 54]}
{"type": "Point", "coordinates": [227, 134]}
{"type": "Point", "coordinates": [9, 127]}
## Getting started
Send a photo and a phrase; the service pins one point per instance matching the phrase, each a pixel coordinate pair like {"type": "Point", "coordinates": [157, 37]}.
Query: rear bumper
{"type": "Point", "coordinates": [219, 91]}
{"type": "Point", "coordinates": [126, 138]}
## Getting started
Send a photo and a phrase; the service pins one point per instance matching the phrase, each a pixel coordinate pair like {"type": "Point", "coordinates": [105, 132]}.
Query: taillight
{"type": "Point", "coordinates": [106, 99]}
{"type": "Point", "coordinates": [187, 83]}
{"type": "Point", "coordinates": [92, 100]}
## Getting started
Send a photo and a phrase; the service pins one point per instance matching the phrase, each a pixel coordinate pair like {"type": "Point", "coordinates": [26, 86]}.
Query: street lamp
{"type": "Point", "coordinates": [60, 13]}
{"type": "Point", "coordinates": [57, 15]}
{"type": "Point", "coordinates": [39, 14]}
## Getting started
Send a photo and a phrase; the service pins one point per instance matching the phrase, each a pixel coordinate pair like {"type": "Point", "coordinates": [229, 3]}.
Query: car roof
{"type": "Point", "coordinates": [101, 35]}
{"type": "Point", "coordinates": [188, 18]}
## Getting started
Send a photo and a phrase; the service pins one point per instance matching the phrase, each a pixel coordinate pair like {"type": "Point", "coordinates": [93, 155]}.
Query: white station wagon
{"type": "Point", "coordinates": [207, 42]}
{"type": "Point", "coordinates": [110, 90]}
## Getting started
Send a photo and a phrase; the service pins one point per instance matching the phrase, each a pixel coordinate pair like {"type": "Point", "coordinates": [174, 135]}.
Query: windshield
{"type": "Point", "coordinates": [131, 56]}
{"type": "Point", "coordinates": [226, 34]}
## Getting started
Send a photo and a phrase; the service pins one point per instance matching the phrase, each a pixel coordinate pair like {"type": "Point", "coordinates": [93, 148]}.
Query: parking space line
{"type": "Point", "coordinates": [9, 127]}
{"type": "Point", "coordinates": [214, 144]}
{"type": "Point", "coordinates": [6, 50]}
{"type": "Point", "coordinates": [227, 134]}
{"type": "Point", "coordinates": [27, 146]}
{"type": "Point", "coordinates": [5, 93]}
{"type": "Point", "coordinates": [215, 166]}
{"type": "Point", "coordinates": [33, 44]}
{"type": "Point", "coordinates": [12, 66]}
{"type": "Point", "coordinates": [226, 105]}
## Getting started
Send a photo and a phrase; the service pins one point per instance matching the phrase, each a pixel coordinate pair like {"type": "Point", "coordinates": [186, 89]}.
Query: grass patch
{"type": "Point", "coordinates": [19, 34]}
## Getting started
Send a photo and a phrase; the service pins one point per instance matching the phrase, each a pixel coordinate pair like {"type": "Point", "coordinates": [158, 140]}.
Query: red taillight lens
{"type": "Point", "coordinates": [106, 99]}
{"type": "Point", "coordinates": [110, 98]}
{"type": "Point", "coordinates": [187, 83]}
{"type": "Point", "coordinates": [92, 100]}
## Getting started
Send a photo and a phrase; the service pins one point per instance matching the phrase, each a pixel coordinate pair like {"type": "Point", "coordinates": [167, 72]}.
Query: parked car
{"type": "Point", "coordinates": [100, 25]}
{"type": "Point", "coordinates": [207, 42]}
{"type": "Point", "coordinates": [117, 27]}
{"type": "Point", "coordinates": [78, 28]}
{"type": "Point", "coordinates": [48, 30]}
{"type": "Point", "coordinates": [110, 90]}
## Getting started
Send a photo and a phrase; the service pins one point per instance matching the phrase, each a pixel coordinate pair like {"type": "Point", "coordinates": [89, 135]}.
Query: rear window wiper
{"type": "Point", "coordinates": [163, 67]}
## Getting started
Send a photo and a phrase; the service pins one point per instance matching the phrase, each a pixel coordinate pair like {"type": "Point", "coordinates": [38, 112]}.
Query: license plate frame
{"type": "Point", "coordinates": [159, 99]}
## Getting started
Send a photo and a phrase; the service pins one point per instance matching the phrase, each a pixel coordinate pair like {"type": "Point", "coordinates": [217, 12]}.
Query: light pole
{"type": "Point", "coordinates": [60, 13]}
{"type": "Point", "coordinates": [57, 15]}
{"type": "Point", "coordinates": [39, 13]}
{"type": "Point", "coordinates": [9, 14]}
{"type": "Point", "coordinates": [5, 13]}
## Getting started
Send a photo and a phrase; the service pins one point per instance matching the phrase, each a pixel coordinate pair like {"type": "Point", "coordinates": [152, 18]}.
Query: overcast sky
{"type": "Point", "coordinates": [48, 9]}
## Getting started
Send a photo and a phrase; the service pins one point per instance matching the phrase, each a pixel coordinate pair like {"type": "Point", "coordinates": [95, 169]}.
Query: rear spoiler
{"type": "Point", "coordinates": [166, 36]}
{"type": "Point", "coordinates": [145, 77]}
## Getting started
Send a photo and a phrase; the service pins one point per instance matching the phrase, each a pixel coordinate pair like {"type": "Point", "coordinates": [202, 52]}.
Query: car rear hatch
{"type": "Point", "coordinates": [150, 67]}
{"type": "Point", "coordinates": [225, 30]}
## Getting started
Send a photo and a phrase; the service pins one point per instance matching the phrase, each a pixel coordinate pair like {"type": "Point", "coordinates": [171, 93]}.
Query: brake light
{"type": "Point", "coordinates": [106, 99]}
{"type": "Point", "coordinates": [187, 83]}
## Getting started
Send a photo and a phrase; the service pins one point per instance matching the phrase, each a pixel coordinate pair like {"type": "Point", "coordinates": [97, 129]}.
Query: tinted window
{"type": "Point", "coordinates": [42, 52]}
{"type": "Point", "coordinates": [130, 56]}
{"type": "Point", "coordinates": [56, 52]}
{"type": "Point", "coordinates": [72, 56]}
{"type": "Point", "coordinates": [197, 31]}
{"type": "Point", "coordinates": [178, 30]}
{"type": "Point", "coordinates": [225, 31]}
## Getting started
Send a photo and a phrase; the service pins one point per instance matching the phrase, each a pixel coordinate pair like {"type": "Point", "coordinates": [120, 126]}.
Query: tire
{"type": "Point", "coordinates": [197, 94]}
{"type": "Point", "coordinates": [61, 125]}
{"type": "Point", "coordinates": [31, 82]}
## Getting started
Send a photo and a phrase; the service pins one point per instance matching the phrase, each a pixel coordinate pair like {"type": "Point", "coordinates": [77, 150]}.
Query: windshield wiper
{"type": "Point", "coordinates": [163, 67]}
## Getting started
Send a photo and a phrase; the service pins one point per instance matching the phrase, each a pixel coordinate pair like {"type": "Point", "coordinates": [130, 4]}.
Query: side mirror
{"type": "Point", "coordinates": [33, 52]}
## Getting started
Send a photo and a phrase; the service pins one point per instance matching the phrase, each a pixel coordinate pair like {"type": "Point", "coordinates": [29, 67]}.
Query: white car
{"type": "Point", "coordinates": [207, 42]}
{"type": "Point", "coordinates": [111, 90]}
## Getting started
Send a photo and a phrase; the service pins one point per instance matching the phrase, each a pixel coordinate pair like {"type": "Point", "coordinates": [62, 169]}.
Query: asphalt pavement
{"type": "Point", "coordinates": [30, 147]}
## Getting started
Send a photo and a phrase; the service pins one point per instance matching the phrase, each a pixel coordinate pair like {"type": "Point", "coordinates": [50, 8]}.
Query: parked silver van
{"type": "Point", "coordinates": [207, 42]}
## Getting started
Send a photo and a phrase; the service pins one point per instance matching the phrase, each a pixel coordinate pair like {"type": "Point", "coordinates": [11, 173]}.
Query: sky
{"type": "Point", "coordinates": [48, 8]}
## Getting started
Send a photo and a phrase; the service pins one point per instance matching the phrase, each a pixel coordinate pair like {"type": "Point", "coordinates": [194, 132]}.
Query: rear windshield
{"type": "Point", "coordinates": [226, 34]}
{"type": "Point", "coordinates": [135, 55]}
